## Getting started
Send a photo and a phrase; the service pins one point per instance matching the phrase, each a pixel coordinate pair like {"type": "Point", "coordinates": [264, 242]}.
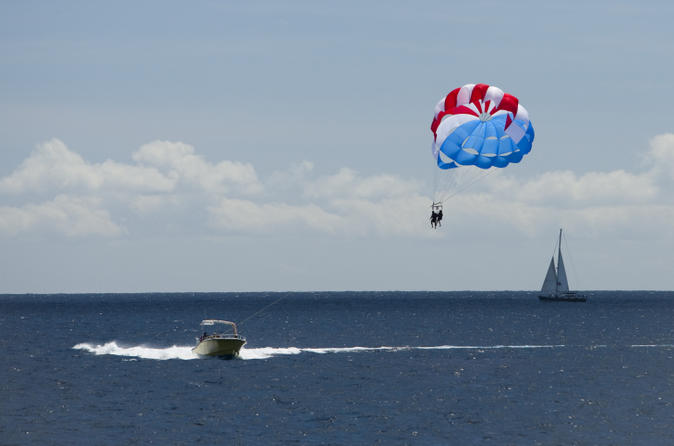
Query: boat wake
{"type": "Point", "coordinates": [268, 352]}
{"type": "Point", "coordinates": [185, 352]}
{"type": "Point", "coordinates": [139, 351]}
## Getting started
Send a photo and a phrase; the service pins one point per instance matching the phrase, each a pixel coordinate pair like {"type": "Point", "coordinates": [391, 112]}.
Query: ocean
{"type": "Point", "coordinates": [339, 368]}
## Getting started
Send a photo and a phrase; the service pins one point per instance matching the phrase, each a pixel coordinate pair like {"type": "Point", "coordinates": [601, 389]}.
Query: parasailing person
{"type": "Point", "coordinates": [477, 125]}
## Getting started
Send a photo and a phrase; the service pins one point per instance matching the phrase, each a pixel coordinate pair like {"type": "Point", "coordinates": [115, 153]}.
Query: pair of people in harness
{"type": "Point", "coordinates": [436, 217]}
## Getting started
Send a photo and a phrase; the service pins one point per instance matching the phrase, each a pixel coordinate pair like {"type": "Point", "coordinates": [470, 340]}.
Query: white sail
{"type": "Point", "coordinates": [562, 282]}
{"type": "Point", "coordinates": [550, 282]}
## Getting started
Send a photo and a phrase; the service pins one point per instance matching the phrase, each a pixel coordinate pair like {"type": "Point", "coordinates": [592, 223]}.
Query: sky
{"type": "Point", "coordinates": [166, 146]}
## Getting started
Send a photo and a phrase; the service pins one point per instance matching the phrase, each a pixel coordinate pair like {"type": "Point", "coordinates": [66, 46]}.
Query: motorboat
{"type": "Point", "coordinates": [219, 338]}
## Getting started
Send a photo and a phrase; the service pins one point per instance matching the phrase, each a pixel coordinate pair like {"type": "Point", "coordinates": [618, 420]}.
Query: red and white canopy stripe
{"type": "Point", "coordinates": [480, 101]}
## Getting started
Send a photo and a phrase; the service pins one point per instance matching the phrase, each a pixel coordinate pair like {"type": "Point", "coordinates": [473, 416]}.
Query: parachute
{"type": "Point", "coordinates": [480, 125]}
{"type": "Point", "coordinates": [476, 125]}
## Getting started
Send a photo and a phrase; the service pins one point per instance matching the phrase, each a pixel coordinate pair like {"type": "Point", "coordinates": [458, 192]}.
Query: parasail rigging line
{"type": "Point", "coordinates": [261, 310]}
{"type": "Point", "coordinates": [465, 186]}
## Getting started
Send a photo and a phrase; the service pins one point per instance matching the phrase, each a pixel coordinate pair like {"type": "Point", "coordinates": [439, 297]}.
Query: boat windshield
{"type": "Point", "coordinates": [215, 326]}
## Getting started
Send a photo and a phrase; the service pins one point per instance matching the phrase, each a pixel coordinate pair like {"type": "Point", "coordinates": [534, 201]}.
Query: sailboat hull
{"type": "Point", "coordinates": [564, 298]}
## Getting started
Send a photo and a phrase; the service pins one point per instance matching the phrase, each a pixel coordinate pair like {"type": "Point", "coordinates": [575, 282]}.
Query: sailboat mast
{"type": "Point", "coordinates": [559, 256]}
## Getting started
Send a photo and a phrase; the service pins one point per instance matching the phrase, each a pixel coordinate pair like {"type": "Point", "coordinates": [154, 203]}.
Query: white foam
{"type": "Point", "coordinates": [322, 351]}
{"type": "Point", "coordinates": [177, 351]}
{"type": "Point", "coordinates": [652, 345]}
{"type": "Point", "coordinates": [139, 351]}
{"type": "Point", "coordinates": [268, 352]}
{"type": "Point", "coordinates": [489, 347]}
{"type": "Point", "coordinates": [185, 352]}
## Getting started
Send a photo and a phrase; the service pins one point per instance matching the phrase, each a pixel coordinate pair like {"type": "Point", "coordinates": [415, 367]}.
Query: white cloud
{"type": "Point", "coordinates": [403, 216]}
{"type": "Point", "coordinates": [293, 177]}
{"type": "Point", "coordinates": [160, 167]}
{"type": "Point", "coordinates": [660, 157]}
{"type": "Point", "coordinates": [565, 188]}
{"type": "Point", "coordinates": [148, 203]}
{"type": "Point", "coordinates": [72, 216]}
{"type": "Point", "coordinates": [163, 175]}
{"type": "Point", "coordinates": [169, 177]}
{"type": "Point", "coordinates": [53, 167]}
{"type": "Point", "coordinates": [179, 161]}
{"type": "Point", "coordinates": [242, 215]}
{"type": "Point", "coordinates": [346, 203]}
{"type": "Point", "coordinates": [478, 215]}
{"type": "Point", "coordinates": [347, 183]}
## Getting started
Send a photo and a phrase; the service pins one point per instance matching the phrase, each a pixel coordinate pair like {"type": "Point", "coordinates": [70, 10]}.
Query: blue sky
{"type": "Point", "coordinates": [220, 146]}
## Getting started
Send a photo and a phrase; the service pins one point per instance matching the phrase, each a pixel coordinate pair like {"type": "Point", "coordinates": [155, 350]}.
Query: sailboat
{"type": "Point", "coordinates": [556, 286]}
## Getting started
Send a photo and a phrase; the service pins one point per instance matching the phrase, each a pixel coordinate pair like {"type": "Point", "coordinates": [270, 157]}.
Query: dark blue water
{"type": "Point", "coordinates": [440, 368]}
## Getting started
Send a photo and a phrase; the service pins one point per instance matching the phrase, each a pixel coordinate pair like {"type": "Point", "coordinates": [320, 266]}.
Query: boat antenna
{"type": "Point", "coordinates": [261, 310]}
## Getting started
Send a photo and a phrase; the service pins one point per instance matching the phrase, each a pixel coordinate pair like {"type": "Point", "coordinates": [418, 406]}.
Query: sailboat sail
{"type": "Point", "coordinates": [562, 282]}
{"type": "Point", "coordinates": [549, 284]}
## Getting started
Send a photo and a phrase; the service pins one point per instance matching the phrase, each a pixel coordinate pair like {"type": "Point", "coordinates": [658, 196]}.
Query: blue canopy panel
{"type": "Point", "coordinates": [485, 144]}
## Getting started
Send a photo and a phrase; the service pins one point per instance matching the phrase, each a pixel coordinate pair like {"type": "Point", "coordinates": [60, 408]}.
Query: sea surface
{"type": "Point", "coordinates": [339, 368]}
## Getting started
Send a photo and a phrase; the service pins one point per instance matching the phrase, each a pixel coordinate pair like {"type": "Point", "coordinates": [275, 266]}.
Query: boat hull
{"type": "Point", "coordinates": [219, 347]}
{"type": "Point", "coordinates": [564, 298]}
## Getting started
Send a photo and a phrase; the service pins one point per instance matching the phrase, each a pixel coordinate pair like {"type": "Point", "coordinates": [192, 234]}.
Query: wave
{"type": "Point", "coordinates": [652, 345]}
{"type": "Point", "coordinates": [185, 352]}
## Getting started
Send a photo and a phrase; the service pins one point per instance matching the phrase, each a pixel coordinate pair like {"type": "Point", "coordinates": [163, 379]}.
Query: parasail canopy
{"type": "Point", "coordinates": [479, 124]}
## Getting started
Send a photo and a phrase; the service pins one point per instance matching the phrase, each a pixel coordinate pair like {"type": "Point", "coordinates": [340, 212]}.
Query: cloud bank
{"type": "Point", "coordinates": [56, 191]}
